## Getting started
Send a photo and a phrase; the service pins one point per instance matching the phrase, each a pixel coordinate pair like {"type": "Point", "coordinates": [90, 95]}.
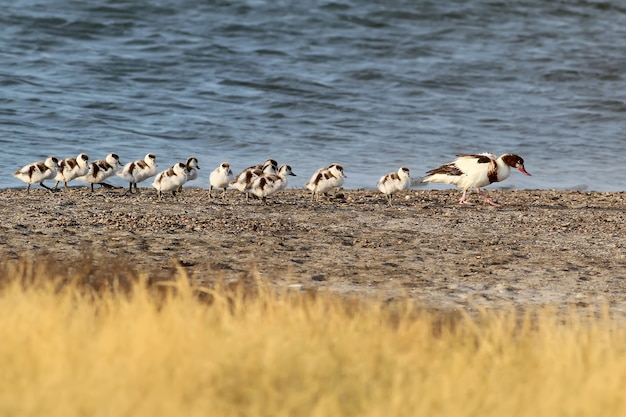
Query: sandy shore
{"type": "Point", "coordinates": [539, 247]}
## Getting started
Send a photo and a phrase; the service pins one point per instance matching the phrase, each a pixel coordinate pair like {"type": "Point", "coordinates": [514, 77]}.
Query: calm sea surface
{"type": "Point", "coordinates": [372, 85]}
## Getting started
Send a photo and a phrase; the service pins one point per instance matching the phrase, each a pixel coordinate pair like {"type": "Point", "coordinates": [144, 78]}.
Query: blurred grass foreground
{"type": "Point", "coordinates": [82, 341]}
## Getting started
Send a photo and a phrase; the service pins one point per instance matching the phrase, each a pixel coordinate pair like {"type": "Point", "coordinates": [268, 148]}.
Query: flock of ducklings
{"type": "Point", "coordinates": [262, 180]}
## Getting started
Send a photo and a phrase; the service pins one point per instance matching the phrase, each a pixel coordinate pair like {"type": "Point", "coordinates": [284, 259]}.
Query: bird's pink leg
{"type": "Point", "coordinates": [487, 199]}
{"type": "Point", "coordinates": [463, 200]}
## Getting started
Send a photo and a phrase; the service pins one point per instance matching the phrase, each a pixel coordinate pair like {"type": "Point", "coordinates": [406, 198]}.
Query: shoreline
{"type": "Point", "coordinates": [541, 247]}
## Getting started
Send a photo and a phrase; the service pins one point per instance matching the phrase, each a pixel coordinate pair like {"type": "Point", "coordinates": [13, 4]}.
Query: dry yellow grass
{"type": "Point", "coordinates": [71, 348]}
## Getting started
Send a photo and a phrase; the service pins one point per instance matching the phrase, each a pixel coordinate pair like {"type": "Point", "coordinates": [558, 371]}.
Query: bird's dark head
{"type": "Point", "coordinates": [515, 161]}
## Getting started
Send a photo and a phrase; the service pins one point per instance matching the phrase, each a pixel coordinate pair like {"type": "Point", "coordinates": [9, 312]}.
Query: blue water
{"type": "Point", "coordinates": [372, 85]}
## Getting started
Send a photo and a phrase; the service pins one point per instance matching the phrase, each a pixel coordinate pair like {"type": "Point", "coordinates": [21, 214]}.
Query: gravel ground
{"type": "Point", "coordinates": [540, 247]}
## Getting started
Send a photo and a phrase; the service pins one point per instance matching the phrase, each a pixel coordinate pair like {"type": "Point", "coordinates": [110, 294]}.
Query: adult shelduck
{"type": "Point", "coordinates": [476, 171]}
